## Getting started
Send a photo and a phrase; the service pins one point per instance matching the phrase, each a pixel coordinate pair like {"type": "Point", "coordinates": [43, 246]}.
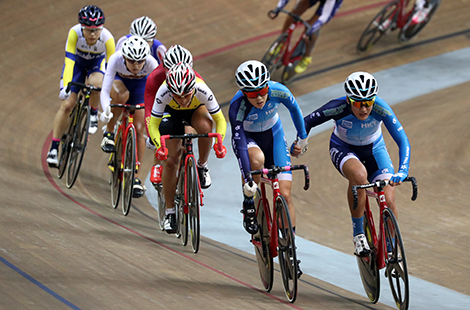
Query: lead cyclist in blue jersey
{"type": "Point", "coordinates": [257, 135]}
{"type": "Point", "coordinates": [357, 147]}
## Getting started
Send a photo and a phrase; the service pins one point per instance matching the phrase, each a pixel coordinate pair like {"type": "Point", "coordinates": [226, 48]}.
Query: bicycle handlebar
{"type": "Point", "coordinates": [297, 18]}
{"type": "Point", "coordinates": [380, 184]}
{"type": "Point", "coordinates": [274, 171]}
{"type": "Point", "coordinates": [82, 86]}
{"type": "Point", "coordinates": [192, 136]}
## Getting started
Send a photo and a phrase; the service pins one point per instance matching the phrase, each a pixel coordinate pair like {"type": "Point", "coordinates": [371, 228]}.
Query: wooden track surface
{"type": "Point", "coordinates": [62, 248]}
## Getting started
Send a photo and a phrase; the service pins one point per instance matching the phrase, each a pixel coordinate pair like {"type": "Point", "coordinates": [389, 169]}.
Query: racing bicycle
{"type": "Point", "coordinates": [386, 246]}
{"type": "Point", "coordinates": [285, 51]}
{"type": "Point", "coordinates": [188, 195]}
{"type": "Point", "coordinates": [275, 236]}
{"type": "Point", "coordinates": [74, 141]}
{"type": "Point", "coordinates": [123, 162]}
{"type": "Point", "coordinates": [397, 14]}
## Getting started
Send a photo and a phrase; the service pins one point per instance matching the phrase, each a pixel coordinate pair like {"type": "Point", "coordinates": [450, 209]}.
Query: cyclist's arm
{"type": "Point", "coordinates": [161, 100]}
{"type": "Point", "coordinates": [281, 4]}
{"type": "Point", "coordinates": [334, 109]}
{"type": "Point", "coordinates": [154, 81]}
{"type": "Point", "coordinates": [296, 114]}
{"type": "Point", "coordinates": [108, 81]}
{"type": "Point", "coordinates": [325, 14]}
{"type": "Point", "coordinates": [160, 51]}
{"type": "Point", "coordinates": [70, 57]}
{"type": "Point", "coordinates": [110, 46]}
{"type": "Point", "coordinates": [120, 41]}
{"type": "Point", "coordinates": [154, 132]}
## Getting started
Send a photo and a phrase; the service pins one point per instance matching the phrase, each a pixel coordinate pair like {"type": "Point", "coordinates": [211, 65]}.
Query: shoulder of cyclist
{"type": "Point", "coordinates": [382, 111]}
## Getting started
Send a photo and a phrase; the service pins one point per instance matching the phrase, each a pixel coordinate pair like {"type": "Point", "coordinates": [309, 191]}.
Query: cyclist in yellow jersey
{"type": "Point", "coordinates": [186, 99]}
{"type": "Point", "coordinates": [88, 48]}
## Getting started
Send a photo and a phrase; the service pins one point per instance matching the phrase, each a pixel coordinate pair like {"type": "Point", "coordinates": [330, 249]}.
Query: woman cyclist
{"type": "Point", "coordinates": [124, 82]}
{"type": "Point", "coordinates": [357, 147]}
{"type": "Point", "coordinates": [189, 100]}
{"type": "Point", "coordinates": [89, 47]}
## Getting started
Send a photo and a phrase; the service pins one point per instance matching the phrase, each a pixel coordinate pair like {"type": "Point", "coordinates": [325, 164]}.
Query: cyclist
{"type": "Point", "coordinates": [357, 147]}
{"type": "Point", "coordinates": [186, 99]}
{"type": "Point", "coordinates": [257, 135]}
{"type": "Point", "coordinates": [325, 11]}
{"type": "Point", "coordinates": [124, 82]}
{"type": "Point", "coordinates": [89, 46]}
{"type": "Point", "coordinates": [174, 55]}
{"type": "Point", "coordinates": [145, 28]}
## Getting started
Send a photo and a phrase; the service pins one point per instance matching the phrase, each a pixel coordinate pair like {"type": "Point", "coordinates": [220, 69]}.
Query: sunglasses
{"type": "Point", "coordinates": [139, 62]}
{"type": "Point", "coordinates": [256, 93]}
{"type": "Point", "coordinates": [90, 30]}
{"type": "Point", "coordinates": [359, 103]}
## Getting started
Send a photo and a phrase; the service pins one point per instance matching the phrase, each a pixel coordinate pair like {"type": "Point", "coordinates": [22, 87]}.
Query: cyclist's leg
{"type": "Point", "coordinates": [299, 9]}
{"type": "Point", "coordinates": [95, 77]}
{"type": "Point", "coordinates": [201, 121]}
{"type": "Point", "coordinates": [139, 123]}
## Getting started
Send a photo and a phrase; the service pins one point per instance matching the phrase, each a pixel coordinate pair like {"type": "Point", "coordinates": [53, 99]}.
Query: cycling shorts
{"type": "Point", "coordinates": [174, 121]}
{"type": "Point", "coordinates": [83, 68]}
{"type": "Point", "coordinates": [136, 88]}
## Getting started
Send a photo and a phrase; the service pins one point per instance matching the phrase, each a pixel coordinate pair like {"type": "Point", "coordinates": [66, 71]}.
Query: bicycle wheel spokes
{"type": "Point", "coordinates": [381, 23]}
{"type": "Point", "coordinates": [161, 206]}
{"type": "Point", "coordinates": [273, 57]}
{"type": "Point", "coordinates": [287, 251]}
{"type": "Point", "coordinates": [64, 151]}
{"type": "Point", "coordinates": [368, 269]}
{"type": "Point", "coordinates": [78, 145]}
{"type": "Point", "coordinates": [413, 27]}
{"type": "Point", "coordinates": [181, 216]}
{"type": "Point", "coordinates": [128, 171]}
{"type": "Point", "coordinates": [193, 203]}
{"type": "Point", "coordinates": [396, 268]}
{"type": "Point", "coordinates": [261, 241]}
{"type": "Point", "coordinates": [116, 171]}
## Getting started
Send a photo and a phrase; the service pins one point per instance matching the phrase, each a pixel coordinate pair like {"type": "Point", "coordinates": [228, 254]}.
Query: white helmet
{"type": "Point", "coordinates": [252, 75]}
{"type": "Point", "coordinates": [181, 79]}
{"type": "Point", "coordinates": [144, 27]}
{"type": "Point", "coordinates": [135, 48]}
{"type": "Point", "coordinates": [176, 54]}
{"type": "Point", "coordinates": [361, 86]}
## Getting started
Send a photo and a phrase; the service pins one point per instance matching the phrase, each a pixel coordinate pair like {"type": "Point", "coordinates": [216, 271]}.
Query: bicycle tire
{"type": "Point", "coordinates": [181, 216]}
{"type": "Point", "coordinates": [65, 146]}
{"type": "Point", "coordinates": [374, 30]}
{"type": "Point", "coordinates": [116, 171]}
{"type": "Point", "coordinates": [128, 171]}
{"type": "Point", "coordinates": [287, 252]}
{"type": "Point", "coordinates": [263, 255]}
{"type": "Point", "coordinates": [272, 59]}
{"type": "Point", "coordinates": [193, 203]}
{"type": "Point", "coordinates": [411, 29]}
{"type": "Point", "coordinates": [396, 269]}
{"type": "Point", "coordinates": [368, 268]}
{"type": "Point", "coordinates": [78, 145]}
{"type": "Point", "coordinates": [161, 206]}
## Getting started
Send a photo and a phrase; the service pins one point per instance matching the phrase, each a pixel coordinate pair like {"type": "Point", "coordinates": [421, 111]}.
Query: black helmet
{"type": "Point", "coordinates": [91, 16]}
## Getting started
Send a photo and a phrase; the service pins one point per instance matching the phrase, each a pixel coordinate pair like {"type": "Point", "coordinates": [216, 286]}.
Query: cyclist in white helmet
{"type": "Point", "coordinates": [357, 147]}
{"type": "Point", "coordinates": [145, 28]}
{"type": "Point", "coordinates": [186, 99]}
{"type": "Point", "coordinates": [124, 82]}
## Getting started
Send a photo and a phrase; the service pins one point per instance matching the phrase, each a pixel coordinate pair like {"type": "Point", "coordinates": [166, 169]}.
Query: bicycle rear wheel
{"type": "Point", "coordinates": [263, 255]}
{"type": "Point", "coordinates": [396, 268]}
{"type": "Point", "coordinates": [116, 171]}
{"type": "Point", "coordinates": [380, 24]}
{"type": "Point", "coordinates": [128, 171]}
{"type": "Point", "coordinates": [286, 249]}
{"type": "Point", "coordinates": [193, 203]}
{"type": "Point", "coordinates": [368, 268]}
{"type": "Point", "coordinates": [78, 145]}
{"type": "Point", "coordinates": [272, 59]}
{"type": "Point", "coordinates": [412, 28]}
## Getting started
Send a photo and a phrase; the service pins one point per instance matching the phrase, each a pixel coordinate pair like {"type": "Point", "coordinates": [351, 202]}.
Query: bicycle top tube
{"type": "Point", "coordinates": [86, 88]}
{"type": "Point", "coordinates": [272, 172]}
{"type": "Point", "coordinates": [380, 184]}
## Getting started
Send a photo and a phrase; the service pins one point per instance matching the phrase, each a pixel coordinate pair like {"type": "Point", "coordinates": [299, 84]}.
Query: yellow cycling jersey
{"type": "Point", "coordinates": [202, 95]}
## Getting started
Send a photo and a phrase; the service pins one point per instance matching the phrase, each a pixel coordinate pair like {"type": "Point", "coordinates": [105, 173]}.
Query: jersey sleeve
{"type": "Point", "coordinates": [333, 109]}
{"type": "Point", "coordinates": [289, 101]}
{"type": "Point", "coordinates": [108, 82]}
{"type": "Point", "coordinates": [154, 81]}
{"type": "Point", "coordinates": [158, 109]}
{"type": "Point", "coordinates": [70, 57]}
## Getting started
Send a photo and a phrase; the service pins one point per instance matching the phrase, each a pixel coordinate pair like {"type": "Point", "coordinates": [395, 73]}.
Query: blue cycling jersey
{"type": "Point", "coordinates": [349, 129]}
{"type": "Point", "coordinates": [245, 118]}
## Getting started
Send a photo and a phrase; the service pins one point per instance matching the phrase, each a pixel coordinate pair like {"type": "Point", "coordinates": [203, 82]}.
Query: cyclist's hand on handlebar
{"type": "Point", "coordinates": [274, 13]}
{"type": "Point", "coordinates": [64, 94]}
{"type": "Point", "coordinates": [107, 115]}
{"type": "Point", "coordinates": [220, 152]}
{"type": "Point", "coordinates": [398, 177]}
{"type": "Point", "coordinates": [249, 189]}
{"type": "Point", "coordinates": [149, 144]}
{"type": "Point", "coordinates": [162, 153]}
{"type": "Point", "coordinates": [299, 147]}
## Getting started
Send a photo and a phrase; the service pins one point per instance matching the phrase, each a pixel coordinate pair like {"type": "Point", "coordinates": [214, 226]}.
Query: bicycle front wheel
{"type": "Point", "coordinates": [412, 27]}
{"type": "Point", "coordinates": [161, 206]}
{"type": "Point", "coordinates": [396, 269]}
{"type": "Point", "coordinates": [380, 24]}
{"type": "Point", "coordinates": [261, 242]}
{"type": "Point", "coordinates": [128, 171]}
{"type": "Point", "coordinates": [115, 166]}
{"type": "Point", "coordinates": [368, 268]}
{"type": "Point", "coordinates": [287, 250]}
{"type": "Point", "coordinates": [193, 203]}
{"type": "Point", "coordinates": [181, 215]}
{"type": "Point", "coordinates": [272, 59]}
{"type": "Point", "coordinates": [78, 145]}
{"type": "Point", "coordinates": [65, 143]}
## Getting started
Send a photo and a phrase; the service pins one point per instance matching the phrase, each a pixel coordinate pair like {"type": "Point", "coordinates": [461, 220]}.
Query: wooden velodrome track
{"type": "Point", "coordinates": [62, 248]}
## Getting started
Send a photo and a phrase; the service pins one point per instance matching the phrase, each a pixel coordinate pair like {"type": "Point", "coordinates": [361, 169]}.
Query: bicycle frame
{"type": "Point", "coordinates": [402, 16]}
